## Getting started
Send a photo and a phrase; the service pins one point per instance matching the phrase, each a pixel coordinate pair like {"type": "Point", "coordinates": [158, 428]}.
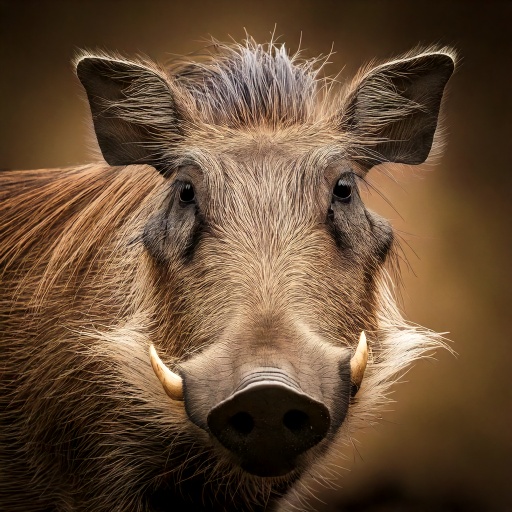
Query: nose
{"type": "Point", "coordinates": [267, 422]}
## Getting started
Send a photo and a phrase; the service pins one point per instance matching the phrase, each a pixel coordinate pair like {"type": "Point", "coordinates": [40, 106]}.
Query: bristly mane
{"type": "Point", "coordinates": [252, 84]}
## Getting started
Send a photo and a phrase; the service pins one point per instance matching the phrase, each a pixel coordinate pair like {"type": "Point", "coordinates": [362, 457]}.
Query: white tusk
{"type": "Point", "coordinates": [359, 360]}
{"type": "Point", "coordinates": [172, 383]}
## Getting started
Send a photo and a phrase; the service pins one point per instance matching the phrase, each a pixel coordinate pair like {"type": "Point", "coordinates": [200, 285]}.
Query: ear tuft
{"type": "Point", "coordinates": [133, 109]}
{"type": "Point", "coordinates": [393, 109]}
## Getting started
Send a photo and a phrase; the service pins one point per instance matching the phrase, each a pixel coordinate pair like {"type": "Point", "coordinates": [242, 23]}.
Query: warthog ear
{"type": "Point", "coordinates": [133, 109]}
{"type": "Point", "coordinates": [392, 110]}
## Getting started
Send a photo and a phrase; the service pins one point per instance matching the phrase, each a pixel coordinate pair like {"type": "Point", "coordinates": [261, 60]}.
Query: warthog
{"type": "Point", "coordinates": [197, 322]}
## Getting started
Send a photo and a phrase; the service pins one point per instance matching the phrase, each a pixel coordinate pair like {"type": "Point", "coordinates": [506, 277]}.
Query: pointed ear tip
{"type": "Point", "coordinates": [449, 58]}
{"type": "Point", "coordinates": [446, 57]}
{"type": "Point", "coordinates": [89, 65]}
{"type": "Point", "coordinates": [84, 61]}
{"type": "Point", "coordinates": [79, 63]}
{"type": "Point", "coordinates": [449, 65]}
{"type": "Point", "coordinates": [79, 58]}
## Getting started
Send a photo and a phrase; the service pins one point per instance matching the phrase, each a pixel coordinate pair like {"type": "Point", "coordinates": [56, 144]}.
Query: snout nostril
{"type": "Point", "coordinates": [267, 425]}
{"type": "Point", "coordinates": [242, 422]}
{"type": "Point", "coordinates": [296, 420]}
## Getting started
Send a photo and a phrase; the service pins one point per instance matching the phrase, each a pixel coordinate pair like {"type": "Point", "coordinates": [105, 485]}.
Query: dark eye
{"type": "Point", "coordinates": [342, 192]}
{"type": "Point", "coordinates": [187, 194]}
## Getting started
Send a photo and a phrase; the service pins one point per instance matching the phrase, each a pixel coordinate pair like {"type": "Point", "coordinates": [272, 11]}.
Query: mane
{"type": "Point", "coordinates": [251, 84]}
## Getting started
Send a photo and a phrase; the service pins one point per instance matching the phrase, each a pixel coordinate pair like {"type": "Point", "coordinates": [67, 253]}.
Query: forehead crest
{"type": "Point", "coordinates": [251, 84]}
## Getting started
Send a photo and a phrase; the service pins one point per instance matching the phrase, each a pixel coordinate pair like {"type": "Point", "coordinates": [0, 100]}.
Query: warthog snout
{"type": "Point", "coordinates": [268, 421]}
{"type": "Point", "coordinates": [267, 416]}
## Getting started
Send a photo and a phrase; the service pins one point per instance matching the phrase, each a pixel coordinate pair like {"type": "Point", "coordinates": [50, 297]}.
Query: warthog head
{"type": "Point", "coordinates": [263, 272]}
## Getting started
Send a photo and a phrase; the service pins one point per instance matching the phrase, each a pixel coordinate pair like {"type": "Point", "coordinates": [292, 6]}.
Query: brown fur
{"type": "Point", "coordinates": [85, 424]}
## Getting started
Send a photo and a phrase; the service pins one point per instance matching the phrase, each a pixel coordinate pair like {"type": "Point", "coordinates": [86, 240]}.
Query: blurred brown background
{"type": "Point", "coordinates": [446, 443]}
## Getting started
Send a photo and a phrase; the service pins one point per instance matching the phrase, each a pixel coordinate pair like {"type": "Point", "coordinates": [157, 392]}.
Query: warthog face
{"type": "Point", "coordinates": [265, 265]}
{"type": "Point", "coordinates": [274, 274]}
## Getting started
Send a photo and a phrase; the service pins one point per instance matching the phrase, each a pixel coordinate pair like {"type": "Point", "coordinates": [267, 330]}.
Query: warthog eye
{"type": "Point", "coordinates": [342, 191]}
{"type": "Point", "coordinates": [187, 194]}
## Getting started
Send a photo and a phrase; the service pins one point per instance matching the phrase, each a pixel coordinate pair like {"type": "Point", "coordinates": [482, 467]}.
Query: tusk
{"type": "Point", "coordinates": [358, 361]}
{"type": "Point", "coordinates": [172, 383]}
